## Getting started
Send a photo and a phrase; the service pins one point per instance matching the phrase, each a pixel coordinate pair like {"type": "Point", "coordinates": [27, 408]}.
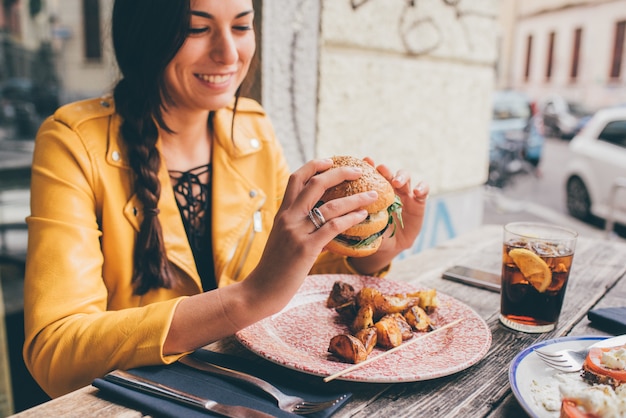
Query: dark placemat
{"type": "Point", "coordinates": [219, 389]}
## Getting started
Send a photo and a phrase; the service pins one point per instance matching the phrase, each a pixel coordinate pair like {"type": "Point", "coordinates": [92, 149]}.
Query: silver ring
{"type": "Point", "coordinates": [319, 216]}
{"type": "Point", "coordinates": [312, 218]}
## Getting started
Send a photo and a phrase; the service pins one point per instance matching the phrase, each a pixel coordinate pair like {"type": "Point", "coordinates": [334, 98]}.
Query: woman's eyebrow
{"type": "Point", "coordinates": [210, 16]}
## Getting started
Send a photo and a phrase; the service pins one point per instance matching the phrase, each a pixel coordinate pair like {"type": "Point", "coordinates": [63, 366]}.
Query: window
{"type": "Point", "coordinates": [615, 133]}
{"type": "Point", "coordinates": [550, 56]}
{"type": "Point", "coordinates": [91, 27]}
{"type": "Point", "coordinates": [618, 50]}
{"type": "Point", "coordinates": [529, 47]}
{"type": "Point", "coordinates": [576, 54]}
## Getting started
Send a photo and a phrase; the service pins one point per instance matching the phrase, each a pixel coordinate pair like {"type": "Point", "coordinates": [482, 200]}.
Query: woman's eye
{"type": "Point", "coordinates": [198, 29]}
{"type": "Point", "coordinates": [194, 31]}
{"type": "Point", "coordinates": [243, 28]}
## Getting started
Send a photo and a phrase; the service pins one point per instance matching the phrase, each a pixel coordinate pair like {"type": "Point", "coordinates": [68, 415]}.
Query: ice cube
{"type": "Point", "coordinates": [544, 249]}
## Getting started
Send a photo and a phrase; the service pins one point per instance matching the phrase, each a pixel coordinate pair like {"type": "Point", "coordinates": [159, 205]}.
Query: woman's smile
{"type": "Point", "coordinates": [215, 79]}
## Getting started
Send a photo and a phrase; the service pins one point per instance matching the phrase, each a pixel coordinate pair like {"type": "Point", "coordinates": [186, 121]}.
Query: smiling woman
{"type": "Point", "coordinates": [186, 224]}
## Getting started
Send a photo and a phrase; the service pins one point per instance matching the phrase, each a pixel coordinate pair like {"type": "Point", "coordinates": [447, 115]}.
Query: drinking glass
{"type": "Point", "coordinates": [536, 263]}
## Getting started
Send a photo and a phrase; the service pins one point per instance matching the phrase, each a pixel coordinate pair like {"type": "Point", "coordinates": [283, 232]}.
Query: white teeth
{"type": "Point", "coordinates": [214, 78]}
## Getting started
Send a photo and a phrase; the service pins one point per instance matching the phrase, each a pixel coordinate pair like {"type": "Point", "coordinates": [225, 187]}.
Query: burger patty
{"type": "Point", "coordinates": [354, 241]}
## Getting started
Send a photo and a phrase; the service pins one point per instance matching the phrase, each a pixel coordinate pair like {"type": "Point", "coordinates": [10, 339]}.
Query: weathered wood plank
{"type": "Point", "coordinates": [82, 403]}
{"type": "Point", "coordinates": [482, 390]}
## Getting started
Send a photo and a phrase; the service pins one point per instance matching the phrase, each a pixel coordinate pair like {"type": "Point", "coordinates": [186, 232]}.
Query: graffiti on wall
{"type": "Point", "coordinates": [421, 33]}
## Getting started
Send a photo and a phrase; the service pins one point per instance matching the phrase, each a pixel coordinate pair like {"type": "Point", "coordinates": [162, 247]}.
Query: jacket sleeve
{"type": "Point", "coordinates": [71, 333]}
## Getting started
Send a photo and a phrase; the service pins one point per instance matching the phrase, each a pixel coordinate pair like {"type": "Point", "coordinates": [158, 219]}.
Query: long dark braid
{"type": "Point", "coordinates": [146, 36]}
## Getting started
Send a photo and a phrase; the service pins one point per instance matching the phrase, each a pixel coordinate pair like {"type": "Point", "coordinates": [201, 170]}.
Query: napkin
{"type": "Point", "coordinates": [218, 388]}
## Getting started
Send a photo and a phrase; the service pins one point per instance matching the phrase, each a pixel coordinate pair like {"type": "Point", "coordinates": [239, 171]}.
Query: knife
{"type": "Point", "coordinates": [155, 388]}
{"type": "Point", "coordinates": [214, 369]}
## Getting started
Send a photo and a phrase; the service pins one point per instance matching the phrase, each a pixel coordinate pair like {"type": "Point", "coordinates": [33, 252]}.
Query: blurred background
{"type": "Point", "coordinates": [509, 109]}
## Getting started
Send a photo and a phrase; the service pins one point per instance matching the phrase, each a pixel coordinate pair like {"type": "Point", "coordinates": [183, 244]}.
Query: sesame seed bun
{"type": "Point", "coordinates": [370, 180]}
{"type": "Point", "coordinates": [351, 242]}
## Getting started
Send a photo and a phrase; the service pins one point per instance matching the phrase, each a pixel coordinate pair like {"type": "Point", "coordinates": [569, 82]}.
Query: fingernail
{"type": "Point", "coordinates": [399, 178]}
{"type": "Point", "coordinates": [372, 193]}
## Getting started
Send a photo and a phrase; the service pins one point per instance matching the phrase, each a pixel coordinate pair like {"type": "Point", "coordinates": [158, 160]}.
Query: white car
{"type": "Point", "coordinates": [595, 180]}
{"type": "Point", "coordinates": [563, 118]}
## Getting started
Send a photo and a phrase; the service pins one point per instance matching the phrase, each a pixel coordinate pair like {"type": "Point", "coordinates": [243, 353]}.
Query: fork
{"type": "Point", "coordinates": [568, 361]}
{"type": "Point", "coordinates": [293, 404]}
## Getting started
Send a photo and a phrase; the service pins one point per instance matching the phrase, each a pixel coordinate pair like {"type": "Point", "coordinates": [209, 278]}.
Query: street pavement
{"type": "Point", "coordinates": [500, 207]}
{"type": "Point", "coordinates": [539, 196]}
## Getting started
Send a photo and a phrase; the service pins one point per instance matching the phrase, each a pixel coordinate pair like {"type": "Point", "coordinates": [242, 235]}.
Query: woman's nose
{"type": "Point", "coordinates": [224, 49]}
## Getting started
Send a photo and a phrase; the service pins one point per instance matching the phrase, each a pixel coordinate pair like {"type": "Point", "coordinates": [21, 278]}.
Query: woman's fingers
{"type": "Point", "coordinates": [336, 225]}
{"type": "Point", "coordinates": [299, 178]}
{"type": "Point", "coordinates": [401, 182]}
{"type": "Point", "coordinates": [305, 188]}
{"type": "Point", "coordinates": [421, 191]}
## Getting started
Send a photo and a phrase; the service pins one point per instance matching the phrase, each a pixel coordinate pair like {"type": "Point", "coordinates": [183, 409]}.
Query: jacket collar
{"type": "Point", "coordinates": [226, 153]}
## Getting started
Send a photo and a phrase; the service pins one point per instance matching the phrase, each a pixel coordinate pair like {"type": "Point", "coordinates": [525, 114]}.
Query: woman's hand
{"type": "Point", "coordinates": [292, 248]}
{"type": "Point", "coordinates": [405, 232]}
{"type": "Point", "coordinates": [295, 241]}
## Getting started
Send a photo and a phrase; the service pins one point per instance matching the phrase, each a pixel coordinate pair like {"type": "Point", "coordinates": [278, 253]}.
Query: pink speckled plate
{"type": "Point", "coordinates": [299, 335]}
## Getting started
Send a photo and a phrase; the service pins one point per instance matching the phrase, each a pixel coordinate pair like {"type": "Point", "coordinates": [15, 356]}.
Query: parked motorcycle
{"type": "Point", "coordinates": [507, 160]}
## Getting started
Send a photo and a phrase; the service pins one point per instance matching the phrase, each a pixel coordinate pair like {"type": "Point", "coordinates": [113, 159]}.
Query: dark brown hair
{"type": "Point", "coordinates": [147, 34]}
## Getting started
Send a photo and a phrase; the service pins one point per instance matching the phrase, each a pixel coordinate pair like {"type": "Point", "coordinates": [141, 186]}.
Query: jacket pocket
{"type": "Point", "coordinates": [235, 267]}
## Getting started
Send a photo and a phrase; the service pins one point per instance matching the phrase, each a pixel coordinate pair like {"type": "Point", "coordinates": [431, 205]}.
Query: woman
{"type": "Point", "coordinates": [150, 208]}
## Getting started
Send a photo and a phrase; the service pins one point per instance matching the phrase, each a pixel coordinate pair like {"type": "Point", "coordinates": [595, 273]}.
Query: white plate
{"type": "Point", "coordinates": [527, 369]}
{"type": "Point", "coordinates": [299, 335]}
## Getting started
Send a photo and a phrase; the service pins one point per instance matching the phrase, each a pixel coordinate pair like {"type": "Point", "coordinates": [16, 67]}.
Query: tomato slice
{"type": "Point", "coordinates": [570, 410]}
{"type": "Point", "coordinates": [594, 363]}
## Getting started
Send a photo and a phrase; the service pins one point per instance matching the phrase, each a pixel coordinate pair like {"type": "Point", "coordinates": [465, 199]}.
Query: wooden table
{"type": "Point", "coordinates": [483, 390]}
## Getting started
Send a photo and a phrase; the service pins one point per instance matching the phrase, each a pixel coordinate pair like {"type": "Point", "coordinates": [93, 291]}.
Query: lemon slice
{"type": "Point", "coordinates": [534, 269]}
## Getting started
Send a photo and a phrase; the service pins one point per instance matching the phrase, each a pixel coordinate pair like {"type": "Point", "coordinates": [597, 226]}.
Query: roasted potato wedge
{"type": "Point", "coordinates": [388, 333]}
{"type": "Point", "coordinates": [364, 318]}
{"type": "Point", "coordinates": [368, 337]}
{"type": "Point", "coordinates": [427, 299]}
{"type": "Point", "coordinates": [377, 319]}
{"type": "Point", "coordinates": [417, 318]}
{"type": "Point", "coordinates": [405, 329]}
{"type": "Point", "coordinates": [368, 296]}
{"type": "Point", "coordinates": [341, 294]}
{"type": "Point", "coordinates": [384, 304]}
{"type": "Point", "coordinates": [348, 348]}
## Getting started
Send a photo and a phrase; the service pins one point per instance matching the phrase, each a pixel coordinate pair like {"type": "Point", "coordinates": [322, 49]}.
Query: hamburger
{"type": "Point", "coordinates": [364, 239]}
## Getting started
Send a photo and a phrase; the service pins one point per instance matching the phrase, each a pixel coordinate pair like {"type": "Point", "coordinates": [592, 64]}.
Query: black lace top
{"type": "Point", "coordinates": [193, 196]}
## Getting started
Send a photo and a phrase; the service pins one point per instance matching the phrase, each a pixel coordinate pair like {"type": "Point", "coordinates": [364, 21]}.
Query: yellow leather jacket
{"type": "Point", "coordinates": [82, 319]}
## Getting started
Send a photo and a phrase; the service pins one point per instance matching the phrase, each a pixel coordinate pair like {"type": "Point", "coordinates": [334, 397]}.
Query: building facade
{"type": "Point", "coordinates": [572, 48]}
